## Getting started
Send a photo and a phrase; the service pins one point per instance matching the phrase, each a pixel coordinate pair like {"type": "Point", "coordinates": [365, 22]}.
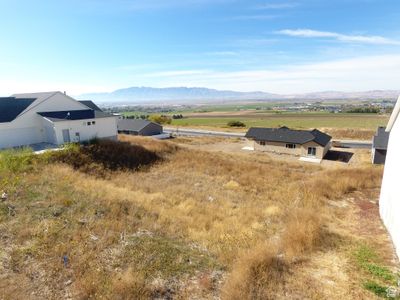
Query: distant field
{"type": "Point", "coordinates": [294, 120]}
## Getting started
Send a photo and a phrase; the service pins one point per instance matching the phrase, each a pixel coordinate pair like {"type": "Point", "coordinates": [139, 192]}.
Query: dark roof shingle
{"type": "Point", "coordinates": [11, 107]}
{"type": "Point", "coordinates": [90, 104]}
{"type": "Point", "coordinates": [132, 124]}
{"type": "Point", "coordinates": [59, 116]}
{"type": "Point", "coordinates": [286, 135]}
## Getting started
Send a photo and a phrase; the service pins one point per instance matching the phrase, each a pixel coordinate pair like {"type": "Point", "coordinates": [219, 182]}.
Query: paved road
{"type": "Point", "coordinates": [352, 144]}
{"type": "Point", "coordinates": [199, 132]}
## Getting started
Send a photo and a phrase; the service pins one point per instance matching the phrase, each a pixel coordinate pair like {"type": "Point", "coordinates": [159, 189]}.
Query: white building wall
{"type": "Point", "coordinates": [30, 128]}
{"type": "Point", "coordinates": [389, 204]}
{"type": "Point", "coordinates": [13, 137]}
{"type": "Point", "coordinates": [103, 128]}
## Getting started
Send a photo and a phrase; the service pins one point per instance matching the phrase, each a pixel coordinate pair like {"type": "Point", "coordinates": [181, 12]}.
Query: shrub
{"type": "Point", "coordinates": [303, 232]}
{"type": "Point", "coordinates": [236, 124]}
{"type": "Point", "coordinates": [16, 160]}
{"type": "Point", "coordinates": [101, 155]}
{"type": "Point", "coordinates": [160, 119]}
{"type": "Point", "coordinates": [259, 274]}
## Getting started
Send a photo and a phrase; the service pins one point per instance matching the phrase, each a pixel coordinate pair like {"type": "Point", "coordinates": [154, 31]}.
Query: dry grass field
{"type": "Point", "coordinates": [188, 224]}
{"type": "Point", "coordinates": [339, 126]}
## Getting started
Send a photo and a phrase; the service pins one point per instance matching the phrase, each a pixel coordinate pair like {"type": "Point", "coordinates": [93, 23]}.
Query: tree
{"type": "Point", "coordinates": [236, 124]}
{"type": "Point", "coordinates": [160, 119]}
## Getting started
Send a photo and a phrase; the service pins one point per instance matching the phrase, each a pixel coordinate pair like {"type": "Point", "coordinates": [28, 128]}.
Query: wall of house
{"type": "Point", "coordinates": [103, 128]}
{"type": "Point", "coordinates": [19, 136]}
{"type": "Point", "coordinates": [300, 150]}
{"type": "Point", "coordinates": [389, 203]}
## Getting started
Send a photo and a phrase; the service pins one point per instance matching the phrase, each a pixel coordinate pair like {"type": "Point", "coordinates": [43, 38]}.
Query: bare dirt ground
{"type": "Point", "coordinates": [235, 146]}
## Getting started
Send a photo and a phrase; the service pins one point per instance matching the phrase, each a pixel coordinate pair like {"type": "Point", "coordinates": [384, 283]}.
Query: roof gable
{"type": "Point", "coordinates": [286, 135]}
{"type": "Point", "coordinates": [11, 107]}
{"type": "Point", "coordinates": [90, 104]}
{"type": "Point", "coordinates": [133, 124]}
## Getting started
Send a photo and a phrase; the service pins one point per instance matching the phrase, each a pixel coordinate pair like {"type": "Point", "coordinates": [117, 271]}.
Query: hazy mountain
{"type": "Point", "coordinates": [367, 95]}
{"type": "Point", "coordinates": [174, 94]}
{"type": "Point", "coordinates": [185, 95]}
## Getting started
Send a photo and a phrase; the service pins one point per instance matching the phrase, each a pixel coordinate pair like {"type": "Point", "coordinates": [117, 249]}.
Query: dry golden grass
{"type": "Point", "coordinates": [181, 222]}
{"type": "Point", "coordinates": [350, 134]}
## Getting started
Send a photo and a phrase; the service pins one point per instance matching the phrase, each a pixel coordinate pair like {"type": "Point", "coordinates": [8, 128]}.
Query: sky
{"type": "Point", "coordinates": [293, 46]}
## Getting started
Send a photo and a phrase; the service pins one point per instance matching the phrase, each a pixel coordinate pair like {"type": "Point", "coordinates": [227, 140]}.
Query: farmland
{"type": "Point", "coordinates": [185, 223]}
{"type": "Point", "coordinates": [294, 120]}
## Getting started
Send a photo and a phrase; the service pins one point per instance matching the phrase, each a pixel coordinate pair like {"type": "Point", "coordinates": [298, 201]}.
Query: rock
{"type": "Point", "coordinates": [94, 238]}
{"type": "Point", "coordinates": [68, 282]}
{"type": "Point", "coordinates": [83, 221]}
{"type": "Point", "coordinates": [4, 196]}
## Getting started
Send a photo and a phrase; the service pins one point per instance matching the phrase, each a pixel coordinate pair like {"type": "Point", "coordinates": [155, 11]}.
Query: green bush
{"type": "Point", "coordinates": [16, 160]}
{"type": "Point", "coordinates": [236, 124]}
{"type": "Point", "coordinates": [160, 119]}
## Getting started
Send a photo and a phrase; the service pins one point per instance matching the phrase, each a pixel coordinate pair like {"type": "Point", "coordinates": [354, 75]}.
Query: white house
{"type": "Point", "coordinates": [389, 203]}
{"type": "Point", "coordinates": [52, 117]}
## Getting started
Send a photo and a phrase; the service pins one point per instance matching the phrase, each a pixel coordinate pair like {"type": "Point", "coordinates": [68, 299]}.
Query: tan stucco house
{"type": "Point", "coordinates": [303, 143]}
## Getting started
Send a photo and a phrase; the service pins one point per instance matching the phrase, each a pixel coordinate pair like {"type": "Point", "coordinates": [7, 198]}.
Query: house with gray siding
{"type": "Point", "coordinates": [379, 146]}
{"type": "Point", "coordinates": [283, 140]}
{"type": "Point", "coordinates": [139, 127]}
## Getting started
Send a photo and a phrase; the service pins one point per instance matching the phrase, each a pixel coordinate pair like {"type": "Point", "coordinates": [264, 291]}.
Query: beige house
{"type": "Point", "coordinates": [304, 143]}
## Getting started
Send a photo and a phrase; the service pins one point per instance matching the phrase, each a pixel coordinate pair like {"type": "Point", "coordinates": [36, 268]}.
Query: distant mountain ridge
{"type": "Point", "coordinates": [186, 95]}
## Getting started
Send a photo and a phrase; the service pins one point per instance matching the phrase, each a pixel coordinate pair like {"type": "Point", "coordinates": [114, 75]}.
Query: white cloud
{"type": "Point", "coordinates": [222, 53]}
{"type": "Point", "coordinates": [357, 74]}
{"type": "Point", "coordinates": [145, 5]}
{"type": "Point", "coordinates": [176, 73]}
{"type": "Point", "coordinates": [281, 5]}
{"type": "Point", "coordinates": [309, 33]}
{"type": "Point", "coordinates": [255, 17]}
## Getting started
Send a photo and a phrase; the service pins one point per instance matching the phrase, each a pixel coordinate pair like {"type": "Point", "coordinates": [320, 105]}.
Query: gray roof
{"type": "Point", "coordinates": [90, 104]}
{"type": "Point", "coordinates": [133, 124]}
{"type": "Point", "coordinates": [286, 135]}
{"type": "Point", "coordinates": [37, 96]}
{"type": "Point", "coordinates": [11, 107]}
{"type": "Point", "coordinates": [381, 139]}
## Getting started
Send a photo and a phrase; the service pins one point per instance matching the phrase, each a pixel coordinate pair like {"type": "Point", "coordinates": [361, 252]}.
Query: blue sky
{"type": "Point", "coordinates": [283, 46]}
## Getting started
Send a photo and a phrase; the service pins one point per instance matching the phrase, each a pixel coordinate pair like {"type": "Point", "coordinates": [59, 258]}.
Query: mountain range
{"type": "Point", "coordinates": [198, 95]}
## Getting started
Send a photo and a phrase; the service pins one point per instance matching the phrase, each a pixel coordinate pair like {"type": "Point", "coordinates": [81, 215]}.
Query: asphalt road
{"type": "Point", "coordinates": [355, 144]}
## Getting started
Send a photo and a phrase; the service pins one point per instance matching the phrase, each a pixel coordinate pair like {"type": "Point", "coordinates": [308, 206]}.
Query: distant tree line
{"type": "Point", "coordinates": [364, 110]}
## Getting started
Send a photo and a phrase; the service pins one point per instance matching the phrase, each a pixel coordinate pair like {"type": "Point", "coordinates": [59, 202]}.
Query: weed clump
{"type": "Point", "coordinates": [100, 156]}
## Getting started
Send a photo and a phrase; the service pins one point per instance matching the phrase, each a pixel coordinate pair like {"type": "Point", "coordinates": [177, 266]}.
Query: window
{"type": "Point", "coordinates": [94, 122]}
{"type": "Point", "coordinates": [89, 123]}
{"type": "Point", "coordinates": [291, 146]}
{"type": "Point", "coordinates": [312, 151]}
{"type": "Point", "coordinates": [262, 143]}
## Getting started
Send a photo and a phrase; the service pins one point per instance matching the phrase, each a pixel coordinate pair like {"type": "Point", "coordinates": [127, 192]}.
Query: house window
{"type": "Point", "coordinates": [262, 143]}
{"type": "Point", "coordinates": [89, 123]}
{"type": "Point", "coordinates": [312, 151]}
{"type": "Point", "coordinates": [94, 122]}
{"type": "Point", "coordinates": [291, 146]}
